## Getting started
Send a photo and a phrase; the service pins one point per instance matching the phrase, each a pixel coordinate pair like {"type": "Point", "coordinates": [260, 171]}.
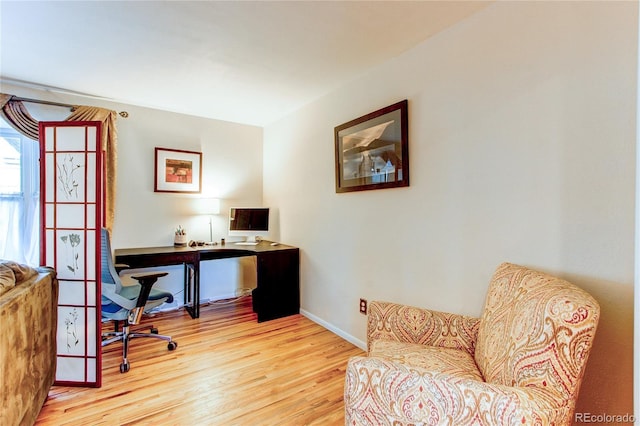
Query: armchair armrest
{"type": "Point", "coordinates": [402, 323]}
{"type": "Point", "coordinates": [381, 392]}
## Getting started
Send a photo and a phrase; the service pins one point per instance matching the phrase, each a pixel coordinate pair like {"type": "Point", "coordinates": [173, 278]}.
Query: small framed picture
{"type": "Point", "coordinates": [372, 151]}
{"type": "Point", "coordinates": [178, 171]}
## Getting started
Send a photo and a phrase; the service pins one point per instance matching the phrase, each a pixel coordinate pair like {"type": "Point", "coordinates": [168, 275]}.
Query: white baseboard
{"type": "Point", "coordinates": [349, 338]}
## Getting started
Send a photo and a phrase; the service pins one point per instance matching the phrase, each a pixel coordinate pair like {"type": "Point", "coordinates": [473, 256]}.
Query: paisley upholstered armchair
{"type": "Point", "coordinates": [520, 363]}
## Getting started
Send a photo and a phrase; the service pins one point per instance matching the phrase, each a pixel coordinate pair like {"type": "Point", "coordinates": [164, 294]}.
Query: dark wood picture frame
{"type": "Point", "coordinates": [372, 151]}
{"type": "Point", "coordinates": [177, 170]}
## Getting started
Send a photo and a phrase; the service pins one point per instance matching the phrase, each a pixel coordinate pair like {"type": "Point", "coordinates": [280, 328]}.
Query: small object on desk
{"type": "Point", "coordinates": [180, 238]}
{"type": "Point", "coordinates": [275, 244]}
{"type": "Point", "coordinates": [193, 243]}
{"type": "Point", "coordinates": [211, 243]}
{"type": "Point", "coordinates": [222, 241]}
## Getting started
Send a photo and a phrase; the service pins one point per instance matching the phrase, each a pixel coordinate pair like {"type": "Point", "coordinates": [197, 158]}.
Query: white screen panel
{"type": "Point", "coordinates": [91, 259]}
{"type": "Point", "coordinates": [70, 215]}
{"type": "Point", "coordinates": [91, 332]}
{"type": "Point", "coordinates": [71, 139]}
{"type": "Point", "coordinates": [71, 293]}
{"type": "Point", "coordinates": [91, 369]}
{"type": "Point", "coordinates": [92, 140]}
{"type": "Point", "coordinates": [91, 178]}
{"type": "Point", "coordinates": [91, 216]}
{"type": "Point", "coordinates": [50, 165]}
{"type": "Point", "coordinates": [50, 249]}
{"type": "Point", "coordinates": [49, 138]}
{"type": "Point", "coordinates": [70, 369]}
{"type": "Point", "coordinates": [49, 215]}
{"type": "Point", "coordinates": [91, 293]}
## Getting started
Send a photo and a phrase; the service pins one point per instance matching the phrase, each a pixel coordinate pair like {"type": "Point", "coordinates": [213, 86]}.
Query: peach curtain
{"type": "Point", "coordinates": [16, 114]}
{"type": "Point", "coordinates": [109, 146]}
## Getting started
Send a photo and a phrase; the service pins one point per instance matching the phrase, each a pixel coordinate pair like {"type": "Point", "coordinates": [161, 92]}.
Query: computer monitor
{"type": "Point", "coordinates": [249, 222]}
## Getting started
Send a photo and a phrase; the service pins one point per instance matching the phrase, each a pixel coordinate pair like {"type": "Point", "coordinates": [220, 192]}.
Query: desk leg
{"type": "Point", "coordinates": [192, 290]}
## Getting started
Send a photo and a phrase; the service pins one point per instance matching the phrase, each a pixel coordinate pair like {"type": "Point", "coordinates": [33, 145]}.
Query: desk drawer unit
{"type": "Point", "coordinates": [278, 291]}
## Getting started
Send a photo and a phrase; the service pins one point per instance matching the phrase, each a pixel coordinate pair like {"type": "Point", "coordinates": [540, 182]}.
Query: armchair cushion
{"type": "Point", "coordinates": [382, 392]}
{"type": "Point", "coordinates": [454, 362]}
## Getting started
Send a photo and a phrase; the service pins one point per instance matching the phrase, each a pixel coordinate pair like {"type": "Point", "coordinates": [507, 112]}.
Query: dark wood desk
{"type": "Point", "coordinates": [278, 289]}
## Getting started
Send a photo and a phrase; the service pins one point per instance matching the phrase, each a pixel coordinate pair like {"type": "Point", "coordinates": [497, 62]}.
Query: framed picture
{"type": "Point", "coordinates": [372, 152]}
{"type": "Point", "coordinates": [178, 171]}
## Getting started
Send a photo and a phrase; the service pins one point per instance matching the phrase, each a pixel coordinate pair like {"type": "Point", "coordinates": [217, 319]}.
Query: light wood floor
{"type": "Point", "coordinates": [228, 369]}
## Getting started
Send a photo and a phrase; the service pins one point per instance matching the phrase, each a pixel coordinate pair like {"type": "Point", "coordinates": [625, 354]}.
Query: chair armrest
{"type": "Point", "coordinates": [109, 292]}
{"type": "Point", "coordinates": [402, 323]}
{"type": "Point", "coordinates": [119, 267]}
{"type": "Point", "coordinates": [146, 281]}
{"type": "Point", "coordinates": [379, 391]}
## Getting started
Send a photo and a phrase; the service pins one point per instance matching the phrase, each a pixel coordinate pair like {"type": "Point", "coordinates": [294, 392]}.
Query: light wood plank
{"type": "Point", "coordinates": [228, 370]}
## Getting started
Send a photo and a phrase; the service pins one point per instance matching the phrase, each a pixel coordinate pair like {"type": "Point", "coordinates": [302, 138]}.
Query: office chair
{"type": "Point", "coordinates": [128, 303]}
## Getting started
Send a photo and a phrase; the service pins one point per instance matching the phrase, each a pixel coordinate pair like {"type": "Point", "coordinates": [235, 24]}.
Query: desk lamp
{"type": "Point", "coordinates": [210, 206]}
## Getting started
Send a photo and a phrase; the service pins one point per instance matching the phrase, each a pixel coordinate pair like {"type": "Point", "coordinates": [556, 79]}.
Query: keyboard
{"type": "Point", "coordinates": [246, 244]}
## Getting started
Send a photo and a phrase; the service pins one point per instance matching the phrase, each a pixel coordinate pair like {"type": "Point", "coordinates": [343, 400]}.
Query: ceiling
{"type": "Point", "coordinates": [244, 61]}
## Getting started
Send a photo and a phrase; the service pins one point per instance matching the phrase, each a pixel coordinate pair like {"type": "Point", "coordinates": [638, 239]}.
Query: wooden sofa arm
{"type": "Point", "coordinates": [402, 323]}
{"type": "Point", "coordinates": [382, 392]}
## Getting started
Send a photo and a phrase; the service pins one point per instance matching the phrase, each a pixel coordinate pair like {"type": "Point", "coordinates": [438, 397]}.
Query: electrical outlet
{"type": "Point", "coordinates": [363, 306]}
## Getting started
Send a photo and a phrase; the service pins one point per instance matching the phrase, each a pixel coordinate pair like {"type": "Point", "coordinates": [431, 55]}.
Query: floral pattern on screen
{"type": "Point", "coordinates": [70, 176]}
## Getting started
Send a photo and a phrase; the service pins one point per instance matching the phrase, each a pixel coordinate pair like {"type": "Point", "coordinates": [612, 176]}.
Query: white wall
{"type": "Point", "coordinates": [231, 170]}
{"type": "Point", "coordinates": [522, 149]}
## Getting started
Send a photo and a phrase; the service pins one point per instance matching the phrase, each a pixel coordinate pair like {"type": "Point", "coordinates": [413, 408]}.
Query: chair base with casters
{"type": "Point", "coordinates": [134, 316]}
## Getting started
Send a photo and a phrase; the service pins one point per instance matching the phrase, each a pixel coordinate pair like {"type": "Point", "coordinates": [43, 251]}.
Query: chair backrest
{"type": "Point", "coordinates": [535, 330]}
{"type": "Point", "coordinates": [109, 275]}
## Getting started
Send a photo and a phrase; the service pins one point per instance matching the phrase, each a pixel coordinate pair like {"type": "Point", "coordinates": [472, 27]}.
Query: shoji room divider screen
{"type": "Point", "coordinates": [72, 208]}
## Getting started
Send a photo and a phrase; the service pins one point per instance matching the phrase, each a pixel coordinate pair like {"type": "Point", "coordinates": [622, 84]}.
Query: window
{"type": "Point", "coordinates": [19, 197]}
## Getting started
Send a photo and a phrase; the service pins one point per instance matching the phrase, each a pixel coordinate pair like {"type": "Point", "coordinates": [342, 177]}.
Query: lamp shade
{"type": "Point", "coordinates": [208, 206]}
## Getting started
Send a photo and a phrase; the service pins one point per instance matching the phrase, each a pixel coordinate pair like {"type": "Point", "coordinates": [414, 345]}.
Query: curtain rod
{"type": "Point", "coordinates": [123, 114]}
